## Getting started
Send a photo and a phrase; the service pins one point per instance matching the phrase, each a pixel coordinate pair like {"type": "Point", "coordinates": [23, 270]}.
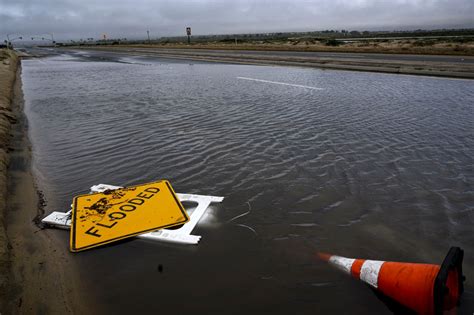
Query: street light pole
{"type": "Point", "coordinates": [148, 34]}
{"type": "Point", "coordinates": [41, 37]}
{"type": "Point", "coordinates": [12, 39]}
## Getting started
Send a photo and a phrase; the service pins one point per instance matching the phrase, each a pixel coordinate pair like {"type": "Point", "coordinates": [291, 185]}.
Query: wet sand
{"type": "Point", "coordinates": [8, 66]}
{"type": "Point", "coordinates": [38, 275]}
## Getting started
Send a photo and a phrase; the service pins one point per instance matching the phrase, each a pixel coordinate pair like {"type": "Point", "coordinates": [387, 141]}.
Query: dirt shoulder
{"type": "Point", "coordinates": [8, 68]}
{"type": "Point", "coordinates": [38, 274]}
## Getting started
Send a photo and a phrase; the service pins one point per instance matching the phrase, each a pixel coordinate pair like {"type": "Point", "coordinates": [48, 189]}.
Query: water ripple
{"type": "Point", "coordinates": [369, 150]}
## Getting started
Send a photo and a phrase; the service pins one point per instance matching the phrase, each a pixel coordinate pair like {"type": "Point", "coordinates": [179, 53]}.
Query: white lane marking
{"type": "Point", "coordinates": [281, 83]}
{"type": "Point", "coordinates": [369, 273]}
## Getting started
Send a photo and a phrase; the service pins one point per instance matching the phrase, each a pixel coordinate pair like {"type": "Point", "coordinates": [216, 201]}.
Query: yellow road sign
{"type": "Point", "coordinates": [113, 215]}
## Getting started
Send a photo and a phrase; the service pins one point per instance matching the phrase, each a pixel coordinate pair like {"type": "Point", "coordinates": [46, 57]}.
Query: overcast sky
{"type": "Point", "coordinates": [74, 19]}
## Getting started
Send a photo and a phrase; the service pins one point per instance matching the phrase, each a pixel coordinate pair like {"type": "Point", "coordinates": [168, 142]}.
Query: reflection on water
{"type": "Point", "coordinates": [372, 166]}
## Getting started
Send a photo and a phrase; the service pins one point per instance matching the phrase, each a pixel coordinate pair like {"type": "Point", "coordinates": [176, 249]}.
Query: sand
{"type": "Point", "coordinates": [8, 68]}
{"type": "Point", "coordinates": [421, 46]}
{"type": "Point", "coordinates": [38, 274]}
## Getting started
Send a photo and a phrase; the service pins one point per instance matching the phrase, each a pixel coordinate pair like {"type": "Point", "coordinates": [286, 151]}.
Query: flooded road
{"type": "Point", "coordinates": [365, 165]}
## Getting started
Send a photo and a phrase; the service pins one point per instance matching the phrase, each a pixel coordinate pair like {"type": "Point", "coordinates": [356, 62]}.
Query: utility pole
{"type": "Point", "coordinates": [148, 34]}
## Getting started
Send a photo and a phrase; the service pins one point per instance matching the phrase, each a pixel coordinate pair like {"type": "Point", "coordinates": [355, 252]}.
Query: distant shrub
{"type": "Point", "coordinates": [422, 43]}
{"type": "Point", "coordinates": [333, 42]}
{"type": "Point", "coordinates": [227, 40]}
{"type": "Point", "coordinates": [463, 40]}
{"type": "Point", "coordinates": [418, 44]}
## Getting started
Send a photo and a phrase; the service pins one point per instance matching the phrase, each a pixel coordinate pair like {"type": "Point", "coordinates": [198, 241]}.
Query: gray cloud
{"type": "Point", "coordinates": [131, 18]}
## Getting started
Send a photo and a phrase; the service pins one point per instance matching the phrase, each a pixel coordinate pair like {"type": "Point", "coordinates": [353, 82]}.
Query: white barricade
{"type": "Point", "coordinates": [181, 235]}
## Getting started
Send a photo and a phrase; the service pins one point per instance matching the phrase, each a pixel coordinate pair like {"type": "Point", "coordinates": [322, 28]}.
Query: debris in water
{"type": "Point", "coordinates": [240, 215]}
{"type": "Point", "coordinates": [248, 227]}
{"type": "Point", "coordinates": [180, 235]}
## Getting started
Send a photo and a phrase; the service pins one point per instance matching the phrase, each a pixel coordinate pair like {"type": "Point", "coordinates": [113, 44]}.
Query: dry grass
{"type": "Point", "coordinates": [404, 46]}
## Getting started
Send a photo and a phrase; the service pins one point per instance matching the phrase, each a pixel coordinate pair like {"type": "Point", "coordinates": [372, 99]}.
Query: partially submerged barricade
{"type": "Point", "coordinates": [180, 235]}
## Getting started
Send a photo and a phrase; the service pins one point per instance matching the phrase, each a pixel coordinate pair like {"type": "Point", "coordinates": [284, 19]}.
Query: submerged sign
{"type": "Point", "coordinates": [113, 215]}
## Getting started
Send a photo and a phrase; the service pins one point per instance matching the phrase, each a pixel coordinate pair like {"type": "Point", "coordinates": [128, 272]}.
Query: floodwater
{"type": "Point", "coordinates": [367, 165]}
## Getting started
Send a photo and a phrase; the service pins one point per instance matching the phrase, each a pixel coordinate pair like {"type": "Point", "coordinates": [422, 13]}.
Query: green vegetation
{"type": "Point", "coordinates": [333, 42]}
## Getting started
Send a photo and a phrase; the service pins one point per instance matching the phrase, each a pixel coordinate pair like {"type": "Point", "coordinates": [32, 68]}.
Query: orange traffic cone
{"type": "Point", "coordinates": [425, 288]}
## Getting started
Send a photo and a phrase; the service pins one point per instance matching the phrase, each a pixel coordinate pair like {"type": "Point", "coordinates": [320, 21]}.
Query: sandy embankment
{"type": "Point", "coordinates": [420, 46]}
{"type": "Point", "coordinates": [442, 69]}
{"type": "Point", "coordinates": [37, 273]}
{"type": "Point", "coordinates": [8, 68]}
